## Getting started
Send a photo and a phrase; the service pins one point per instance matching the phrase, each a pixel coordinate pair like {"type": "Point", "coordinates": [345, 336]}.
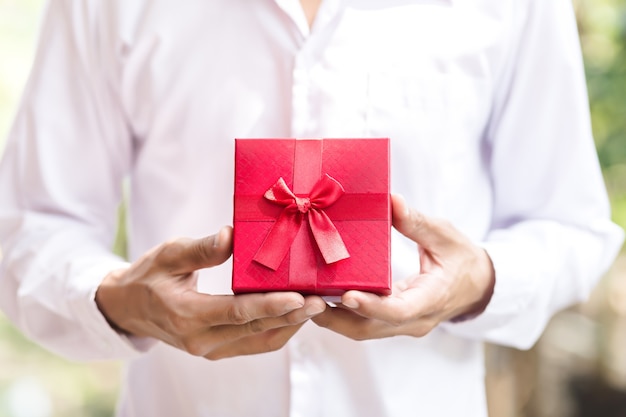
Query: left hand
{"type": "Point", "coordinates": [456, 279]}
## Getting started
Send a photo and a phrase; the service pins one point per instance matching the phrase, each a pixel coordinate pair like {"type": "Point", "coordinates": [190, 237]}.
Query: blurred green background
{"type": "Point", "coordinates": [33, 382]}
{"type": "Point", "coordinates": [579, 365]}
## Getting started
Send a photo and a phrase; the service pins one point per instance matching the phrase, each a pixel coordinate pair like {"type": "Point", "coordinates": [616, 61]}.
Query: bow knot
{"type": "Point", "coordinates": [304, 204]}
{"type": "Point", "coordinates": [277, 243]}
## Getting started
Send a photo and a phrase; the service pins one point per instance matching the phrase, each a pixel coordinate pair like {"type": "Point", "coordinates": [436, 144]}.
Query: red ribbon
{"type": "Point", "coordinates": [277, 243]}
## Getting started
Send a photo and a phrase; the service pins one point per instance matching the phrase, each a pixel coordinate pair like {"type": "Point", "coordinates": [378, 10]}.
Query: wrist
{"type": "Point", "coordinates": [109, 300]}
{"type": "Point", "coordinates": [484, 282]}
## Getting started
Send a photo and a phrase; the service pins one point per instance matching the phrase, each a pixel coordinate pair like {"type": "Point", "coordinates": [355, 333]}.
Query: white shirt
{"type": "Point", "coordinates": [484, 102]}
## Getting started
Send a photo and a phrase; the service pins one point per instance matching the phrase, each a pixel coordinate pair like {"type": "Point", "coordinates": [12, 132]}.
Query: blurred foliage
{"type": "Point", "coordinates": [37, 383]}
{"type": "Point", "coordinates": [19, 20]}
{"type": "Point", "coordinates": [602, 26]}
{"type": "Point", "coordinates": [33, 381]}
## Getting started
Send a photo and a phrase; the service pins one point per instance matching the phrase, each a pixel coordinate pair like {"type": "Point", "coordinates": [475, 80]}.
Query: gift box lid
{"type": "Point", "coordinates": [283, 187]}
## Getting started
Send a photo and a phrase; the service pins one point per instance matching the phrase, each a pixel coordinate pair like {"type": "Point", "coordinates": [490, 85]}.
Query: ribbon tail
{"type": "Point", "coordinates": [279, 239]}
{"type": "Point", "coordinates": [327, 237]}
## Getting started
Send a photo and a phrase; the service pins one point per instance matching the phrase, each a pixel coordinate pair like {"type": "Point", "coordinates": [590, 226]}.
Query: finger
{"type": "Point", "coordinates": [261, 343]}
{"type": "Point", "coordinates": [213, 339]}
{"type": "Point", "coordinates": [354, 326]}
{"type": "Point", "coordinates": [410, 305]}
{"type": "Point", "coordinates": [216, 310]}
{"type": "Point", "coordinates": [426, 231]}
{"type": "Point", "coordinates": [392, 309]}
{"type": "Point", "coordinates": [312, 306]}
{"type": "Point", "coordinates": [183, 256]}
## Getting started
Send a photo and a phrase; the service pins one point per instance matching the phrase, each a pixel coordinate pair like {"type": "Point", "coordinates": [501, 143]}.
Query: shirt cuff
{"type": "Point", "coordinates": [111, 344]}
{"type": "Point", "coordinates": [512, 293]}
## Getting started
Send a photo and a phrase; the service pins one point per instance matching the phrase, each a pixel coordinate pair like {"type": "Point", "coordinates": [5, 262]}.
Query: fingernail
{"type": "Point", "coordinates": [351, 303]}
{"type": "Point", "coordinates": [216, 238]}
{"type": "Point", "coordinates": [293, 305]}
{"type": "Point", "coordinates": [406, 206]}
{"type": "Point", "coordinates": [314, 310]}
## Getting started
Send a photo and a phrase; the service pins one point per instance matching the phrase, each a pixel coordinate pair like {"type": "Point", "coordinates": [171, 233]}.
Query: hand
{"type": "Point", "coordinates": [456, 279]}
{"type": "Point", "coordinates": [156, 297]}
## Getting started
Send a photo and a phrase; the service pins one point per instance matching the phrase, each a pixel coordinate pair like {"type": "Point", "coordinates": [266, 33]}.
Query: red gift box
{"type": "Point", "coordinates": [312, 216]}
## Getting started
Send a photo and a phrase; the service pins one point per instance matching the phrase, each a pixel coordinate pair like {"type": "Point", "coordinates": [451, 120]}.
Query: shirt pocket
{"type": "Point", "coordinates": [443, 114]}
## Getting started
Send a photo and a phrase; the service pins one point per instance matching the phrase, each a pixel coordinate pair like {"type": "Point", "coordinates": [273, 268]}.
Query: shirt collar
{"type": "Point", "coordinates": [327, 11]}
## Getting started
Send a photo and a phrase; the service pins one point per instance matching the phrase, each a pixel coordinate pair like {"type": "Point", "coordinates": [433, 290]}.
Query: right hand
{"type": "Point", "coordinates": [156, 297]}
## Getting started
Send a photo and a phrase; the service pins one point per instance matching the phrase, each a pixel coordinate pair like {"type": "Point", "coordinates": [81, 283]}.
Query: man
{"type": "Point", "coordinates": [485, 105]}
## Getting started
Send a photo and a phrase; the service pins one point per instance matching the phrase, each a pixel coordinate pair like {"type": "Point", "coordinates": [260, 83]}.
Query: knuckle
{"type": "Point", "coordinates": [193, 346]}
{"type": "Point", "coordinates": [202, 251]}
{"type": "Point", "coordinates": [256, 326]}
{"type": "Point", "coordinates": [417, 219]}
{"type": "Point", "coordinates": [168, 252]}
{"type": "Point", "coordinates": [293, 319]}
{"type": "Point", "coordinates": [238, 315]}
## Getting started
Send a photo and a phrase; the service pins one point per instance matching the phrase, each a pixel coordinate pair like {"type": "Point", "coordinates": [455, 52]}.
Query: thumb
{"type": "Point", "coordinates": [428, 232]}
{"type": "Point", "coordinates": [183, 256]}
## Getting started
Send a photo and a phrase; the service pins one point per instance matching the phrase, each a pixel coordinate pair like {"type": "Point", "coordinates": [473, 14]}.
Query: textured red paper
{"type": "Point", "coordinates": [362, 215]}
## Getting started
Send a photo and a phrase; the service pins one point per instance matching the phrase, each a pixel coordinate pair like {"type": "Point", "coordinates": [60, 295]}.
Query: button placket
{"type": "Point", "coordinates": [301, 109]}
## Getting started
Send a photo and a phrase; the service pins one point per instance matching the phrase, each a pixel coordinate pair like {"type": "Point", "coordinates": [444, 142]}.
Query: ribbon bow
{"type": "Point", "coordinates": [277, 243]}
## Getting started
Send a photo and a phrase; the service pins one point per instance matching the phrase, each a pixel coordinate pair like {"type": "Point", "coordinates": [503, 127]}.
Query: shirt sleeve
{"type": "Point", "coordinates": [551, 238]}
{"type": "Point", "coordinates": [60, 185]}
